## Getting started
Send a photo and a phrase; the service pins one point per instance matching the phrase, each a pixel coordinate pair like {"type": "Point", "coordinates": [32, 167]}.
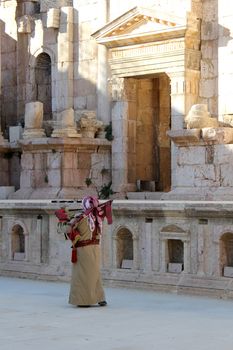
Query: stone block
{"type": "Point", "coordinates": [6, 191]}
{"type": "Point", "coordinates": [80, 102]}
{"type": "Point", "coordinates": [208, 88]}
{"type": "Point", "coordinates": [84, 160]}
{"type": "Point", "coordinates": [19, 256]}
{"type": "Point", "coordinates": [26, 179]}
{"type": "Point", "coordinates": [175, 267]}
{"type": "Point", "coordinates": [91, 102]}
{"type": "Point", "coordinates": [27, 161]}
{"type": "Point", "coordinates": [185, 137]}
{"type": "Point", "coordinates": [191, 156]}
{"type": "Point", "coordinates": [15, 133]}
{"type": "Point", "coordinates": [223, 154]}
{"type": "Point", "coordinates": [127, 264]}
{"type": "Point", "coordinates": [53, 18]}
{"type": "Point", "coordinates": [54, 160]}
{"type": "Point", "coordinates": [226, 175]}
{"type": "Point", "coordinates": [45, 5]}
{"type": "Point", "coordinates": [228, 271]}
{"type": "Point", "coordinates": [64, 49]}
{"type": "Point", "coordinates": [70, 160]}
{"type": "Point", "coordinates": [66, 118]}
{"type": "Point", "coordinates": [54, 178]}
{"type": "Point", "coordinates": [183, 176]}
{"type": "Point", "coordinates": [67, 14]}
{"type": "Point", "coordinates": [33, 115]}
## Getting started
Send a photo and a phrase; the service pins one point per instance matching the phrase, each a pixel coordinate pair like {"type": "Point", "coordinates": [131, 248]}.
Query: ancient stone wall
{"type": "Point", "coordinates": [183, 247]}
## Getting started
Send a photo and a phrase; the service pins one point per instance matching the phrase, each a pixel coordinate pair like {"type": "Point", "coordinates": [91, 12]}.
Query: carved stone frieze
{"type": "Point", "coordinates": [148, 50]}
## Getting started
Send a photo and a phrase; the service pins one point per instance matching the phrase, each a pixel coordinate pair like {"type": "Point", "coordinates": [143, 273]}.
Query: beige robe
{"type": "Point", "coordinates": [86, 282]}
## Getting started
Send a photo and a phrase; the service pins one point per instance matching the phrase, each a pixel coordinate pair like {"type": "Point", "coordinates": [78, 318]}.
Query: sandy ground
{"type": "Point", "coordinates": [35, 315]}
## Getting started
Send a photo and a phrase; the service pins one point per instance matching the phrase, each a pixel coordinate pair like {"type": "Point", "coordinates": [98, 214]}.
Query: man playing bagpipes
{"type": "Point", "coordinates": [84, 230]}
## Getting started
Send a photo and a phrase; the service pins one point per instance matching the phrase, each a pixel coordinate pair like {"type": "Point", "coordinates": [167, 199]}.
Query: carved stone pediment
{"type": "Point", "coordinates": [140, 25]}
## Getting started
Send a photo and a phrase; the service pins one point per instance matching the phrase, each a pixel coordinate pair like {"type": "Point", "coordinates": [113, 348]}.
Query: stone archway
{"type": "Point", "coordinates": [124, 251]}
{"type": "Point", "coordinates": [18, 243]}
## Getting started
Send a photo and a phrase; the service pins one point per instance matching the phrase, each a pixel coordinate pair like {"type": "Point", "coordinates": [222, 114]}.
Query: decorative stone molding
{"type": "Point", "coordinates": [89, 124]}
{"type": "Point", "coordinates": [33, 120]}
{"type": "Point", "coordinates": [132, 27]}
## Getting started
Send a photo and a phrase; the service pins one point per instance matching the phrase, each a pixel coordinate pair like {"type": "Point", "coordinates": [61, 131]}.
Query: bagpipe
{"type": "Point", "coordinates": [67, 220]}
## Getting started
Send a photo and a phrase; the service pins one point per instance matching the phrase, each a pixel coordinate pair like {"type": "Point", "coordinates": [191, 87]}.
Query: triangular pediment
{"type": "Point", "coordinates": [140, 25]}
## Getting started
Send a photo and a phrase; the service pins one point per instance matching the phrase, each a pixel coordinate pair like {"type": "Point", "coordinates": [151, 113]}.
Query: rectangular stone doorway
{"type": "Point", "coordinates": [149, 114]}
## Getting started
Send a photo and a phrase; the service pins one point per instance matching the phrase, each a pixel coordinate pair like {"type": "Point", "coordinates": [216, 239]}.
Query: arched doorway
{"type": "Point", "coordinates": [124, 250]}
{"type": "Point", "coordinates": [17, 243]}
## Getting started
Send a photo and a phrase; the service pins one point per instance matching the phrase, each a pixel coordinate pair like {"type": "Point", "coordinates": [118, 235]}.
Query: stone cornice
{"type": "Point", "coordinates": [57, 144]}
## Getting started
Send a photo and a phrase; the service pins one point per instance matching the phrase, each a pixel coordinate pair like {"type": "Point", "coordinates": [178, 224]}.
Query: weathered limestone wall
{"type": "Point", "coordinates": [203, 172]}
{"type": "Point", "coordinates": [174, 246]}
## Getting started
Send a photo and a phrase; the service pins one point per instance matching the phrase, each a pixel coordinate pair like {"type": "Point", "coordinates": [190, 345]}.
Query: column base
{"type": "Point", "coordinates": [67, 132]}
{"type": "Point", "coordinates": [33, 133]}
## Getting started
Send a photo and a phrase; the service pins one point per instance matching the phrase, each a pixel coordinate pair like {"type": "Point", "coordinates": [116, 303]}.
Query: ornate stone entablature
{"type": "Point", "coordinates": [147, 38]}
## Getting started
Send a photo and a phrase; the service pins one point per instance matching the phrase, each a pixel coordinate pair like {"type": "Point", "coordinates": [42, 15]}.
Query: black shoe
{"type": "Point", "coordinates": [102, 303]}
{"type": "Point", "coordinates": [84, 305]}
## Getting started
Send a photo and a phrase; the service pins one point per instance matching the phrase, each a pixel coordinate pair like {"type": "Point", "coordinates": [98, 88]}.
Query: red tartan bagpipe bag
{"type": "Point", "coordinates": [94, 211]}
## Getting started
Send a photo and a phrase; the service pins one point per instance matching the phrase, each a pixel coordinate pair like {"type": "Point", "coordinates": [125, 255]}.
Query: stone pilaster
{"type": "Point", "coordinates": [63, 77]}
